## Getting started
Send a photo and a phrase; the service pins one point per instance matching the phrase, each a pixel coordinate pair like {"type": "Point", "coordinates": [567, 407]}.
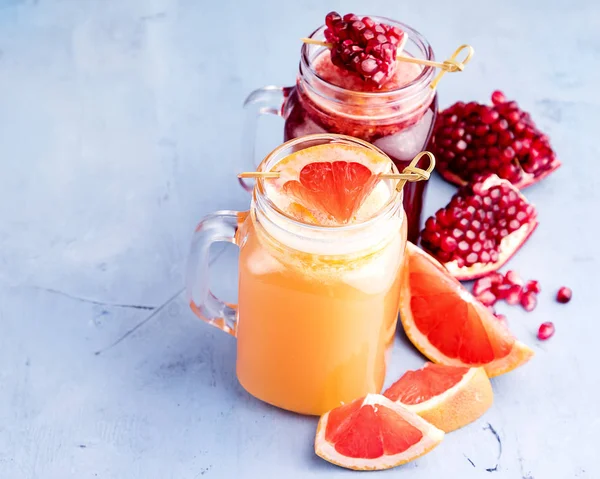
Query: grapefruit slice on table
{"type": "Point", "coordinates": [448, 325]}
{"type": "Point", "coordinates": [373, 433]}
{"type": "Point", "coordinates": [449, 397]}
{"type": "Point", "coordinates": [336, 188]}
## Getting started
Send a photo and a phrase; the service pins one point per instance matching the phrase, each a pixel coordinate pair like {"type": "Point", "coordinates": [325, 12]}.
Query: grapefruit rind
{"type": "Point", "coordinates": [518, 355]}
{"type": "Point", "coordinates": [432, 436]}
{"type": "Point", "coordinates": [459, 405]}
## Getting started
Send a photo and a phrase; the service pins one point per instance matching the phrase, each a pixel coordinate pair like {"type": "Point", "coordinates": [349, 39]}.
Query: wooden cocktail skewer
{"type": "Point", "coordinates": [259, 174]}
{"type": "Point", "coordinates": [410, 173]}
{"type": "Point", "coordinates": [450, 65]}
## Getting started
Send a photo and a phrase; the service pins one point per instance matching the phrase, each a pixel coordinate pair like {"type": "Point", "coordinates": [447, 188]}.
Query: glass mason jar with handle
{"type": "Point", "coordinates": [398, 119]}
{"type": "Point", "coordinates": [317, 304]}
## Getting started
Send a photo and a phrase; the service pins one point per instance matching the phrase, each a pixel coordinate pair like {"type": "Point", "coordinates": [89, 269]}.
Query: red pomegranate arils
{"type": "Point", "coordinates": [471, 139]}
{"type": "Point", "coordinates": [528, 301]}
{"type": "Point", "coordinates": [498, 97]}
{"type": "Point", "coordinates": [545, 331]}
{"type": "Point", "coordinates": [495, 220]}
{"type": "Point", "coordinates": [502, 290]}
{"type": "Point", "coordinates": [564, 295]}
{"type": "Point", "coordinates": [482, 284]}
{"type": "Point", "coordinates": [364, 47]}
{"type": "Point", "coordinates": [533, 286]}
{"type": "Point", "coordinates": [508, 287]}
{"type": "Point", "coordinates": [513, 277]}
{"type": "Point", "coordinates": [514, 295]}
{"type": "Point", "coordinates": [487, 298]}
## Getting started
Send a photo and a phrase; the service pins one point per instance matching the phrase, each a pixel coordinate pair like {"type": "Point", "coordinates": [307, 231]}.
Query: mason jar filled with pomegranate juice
{"type": "Point", "coordinates": [394, 110]}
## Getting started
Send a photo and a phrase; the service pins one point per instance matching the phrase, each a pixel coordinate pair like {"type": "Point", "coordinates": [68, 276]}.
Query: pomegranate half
{"type": "Point", "coordinates": [471, 139]}
{"type": "Point", "coordinates": [481, 228]}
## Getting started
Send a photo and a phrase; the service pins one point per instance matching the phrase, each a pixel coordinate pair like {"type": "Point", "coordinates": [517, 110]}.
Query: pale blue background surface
{"type": "Point", "coordinates": [119, 129]}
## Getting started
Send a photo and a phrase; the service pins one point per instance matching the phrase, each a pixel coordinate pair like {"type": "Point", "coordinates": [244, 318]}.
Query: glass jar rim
{"type": "Point", "coordinates": [264, 203]}
{"type": "Point", "coordinates": [423, 80]}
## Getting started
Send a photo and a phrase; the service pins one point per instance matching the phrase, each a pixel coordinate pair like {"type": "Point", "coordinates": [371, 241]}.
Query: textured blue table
{"type": "Point", "coordinates": [119, 128]}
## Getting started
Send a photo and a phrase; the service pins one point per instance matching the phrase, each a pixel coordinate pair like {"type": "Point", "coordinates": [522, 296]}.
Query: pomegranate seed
{"type": "Point", "coordinates": [533, 286]}
{"type": "Point", "coordinates": [456, 233]}
{"type": "Point", "coordinates": [474, 139]}
{"type": "Point", "coordinates": [498, 97]}
{"type": "Point", "coordinates": [564, 295]}
{"type": "Point", "coordinates": [502, 291]}
{"type": "Point", "coordinates": [528, 301]}
{"type": "Point", "coordinates": [363, 47]}
{"type": "Point", "coordinates": [512, 277]}
{"type": "Point", "coordinates": [471, 230]}
{"type": "Point", "coordinates": [489, 116]}
{"type": "Point", "coordinates": [487, 298]}
{"type": "Point", "coordinates": [481, 285]}
{"type": "Point", "coordinates": [545, 331]}
{"type": "Point", "coordinates": [448, 244]}
{"type": "Point", "coordinates": [514, 295]}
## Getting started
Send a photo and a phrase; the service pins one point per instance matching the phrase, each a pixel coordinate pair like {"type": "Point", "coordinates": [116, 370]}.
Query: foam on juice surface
{"type": "Point", "coordinates": [291, 166]}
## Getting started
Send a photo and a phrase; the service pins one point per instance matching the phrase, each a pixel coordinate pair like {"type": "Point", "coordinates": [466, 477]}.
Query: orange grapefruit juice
{"type": "Point", "coordinates": [316, 317]}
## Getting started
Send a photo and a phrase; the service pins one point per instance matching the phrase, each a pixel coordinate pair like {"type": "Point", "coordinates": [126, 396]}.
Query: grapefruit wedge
{"type": "Point", "coordinates": [449, 397]}
{"type": "Point", "coordinates": [373, 433]}
{"type": "Point", "coordinates": [337, 188]}
{"type": "Point", "coordinates": [448, 325]}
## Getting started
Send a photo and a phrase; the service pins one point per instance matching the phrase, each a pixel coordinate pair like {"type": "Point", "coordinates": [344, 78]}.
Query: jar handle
{"type": "Point", "coordinates": [218, 227]}
{"type": "Point", "coordinates": [264, 101]}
